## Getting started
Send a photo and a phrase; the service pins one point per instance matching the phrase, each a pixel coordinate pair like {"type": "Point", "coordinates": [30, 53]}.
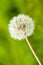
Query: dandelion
{"type": "Point", "coordinates": [21, 27]}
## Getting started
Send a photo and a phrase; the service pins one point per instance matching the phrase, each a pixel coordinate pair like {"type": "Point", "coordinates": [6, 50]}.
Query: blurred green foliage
{"type": "Point", "coordinates": [14, 52]}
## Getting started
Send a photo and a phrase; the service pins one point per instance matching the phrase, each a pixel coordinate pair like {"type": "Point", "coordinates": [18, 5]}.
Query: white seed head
{"type": "Point", "coordinates": [21, 25]}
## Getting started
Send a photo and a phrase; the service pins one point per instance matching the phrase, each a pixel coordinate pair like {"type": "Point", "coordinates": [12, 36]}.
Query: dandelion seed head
{"type": "Point", "coordinates": [21, 25]}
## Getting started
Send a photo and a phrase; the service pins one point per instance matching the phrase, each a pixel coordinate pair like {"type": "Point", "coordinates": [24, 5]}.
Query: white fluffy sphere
{"type": "Point", "coordinates": [21, 25]}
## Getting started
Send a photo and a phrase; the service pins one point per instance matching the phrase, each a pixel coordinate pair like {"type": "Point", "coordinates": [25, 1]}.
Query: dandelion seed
{"type": "Point", "coordinates": [21, 27]}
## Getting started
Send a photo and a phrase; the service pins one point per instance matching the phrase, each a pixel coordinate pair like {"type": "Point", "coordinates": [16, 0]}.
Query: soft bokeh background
{"type": "Point", "coordinates": [14, 52]}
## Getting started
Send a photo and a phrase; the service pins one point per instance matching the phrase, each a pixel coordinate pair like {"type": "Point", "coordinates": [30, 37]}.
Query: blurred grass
{"type": "Point", "coordinates": [14, 52]}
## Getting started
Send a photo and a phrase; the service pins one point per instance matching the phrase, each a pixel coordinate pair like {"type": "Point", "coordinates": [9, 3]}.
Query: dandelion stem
{"type": "Point", "coordinates": [32, 50]}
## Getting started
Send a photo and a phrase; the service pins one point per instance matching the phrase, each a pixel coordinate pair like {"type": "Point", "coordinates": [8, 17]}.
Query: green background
{"type": "Point", "coordinates": [14, 52]}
